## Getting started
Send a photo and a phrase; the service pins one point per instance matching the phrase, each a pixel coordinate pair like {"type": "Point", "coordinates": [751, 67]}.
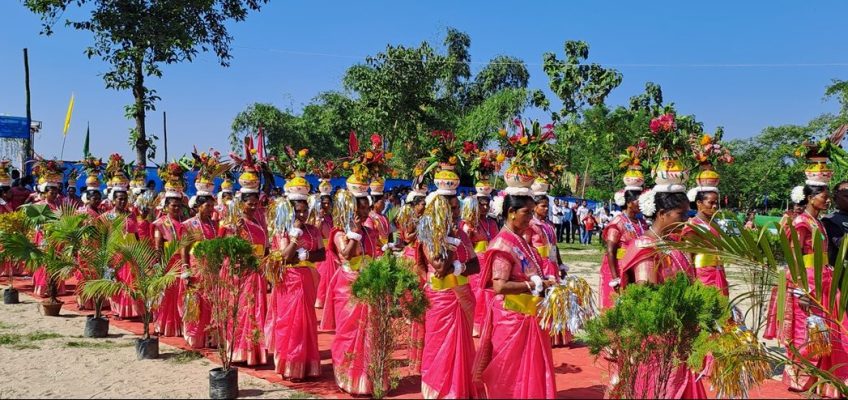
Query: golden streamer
{"type": "Point", "coordinates": [740, 363]}
{"type": "Point", "coordinates": [567, 306]}
{"type": "Point", "coordinates": [818, 337]}
{"type": "Point", "coordinates": [469, 211]}
{"type": "Point", "coordinates": [434, 227]}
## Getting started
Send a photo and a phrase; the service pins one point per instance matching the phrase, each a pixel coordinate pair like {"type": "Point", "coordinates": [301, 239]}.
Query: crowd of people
{"type": "Point", "coordinates": [484, 260]}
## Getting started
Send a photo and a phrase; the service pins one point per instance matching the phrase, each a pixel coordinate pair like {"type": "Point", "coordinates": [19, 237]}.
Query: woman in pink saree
{"type": "Point", "coordinates": [196, 319]}
{"type": "Point", "coordinates": [122, 305]}
{"type": "Point", "coordinates": [248, 341]}
{"type": "Point", "coordinates": [51, 197]}
{"type": "Point", "coordinates": [816, 199]}
{"type": "Point", "coordinates": [514, 359]}
{"type": "Point", "coordinates": [166, 231]}
{"type": "Point", "coordinates": [408, 235]}
{"type": "Point", "coordinates": [326, 268]}
{"type": "Point", "coordinates": [448, 354]}
{"type": "Point", "coordinates": [644, 263]}
{"type": "Point", "coordinates": [353, 246]}
{"type": "Point", "coordinates": [291, 330]}
{"type": "Point", "coordinates": [708, 268]}
{"type": "Point", "coordinates": [485, 230]}
{"type": "Point", "coordinates": [622, 230]}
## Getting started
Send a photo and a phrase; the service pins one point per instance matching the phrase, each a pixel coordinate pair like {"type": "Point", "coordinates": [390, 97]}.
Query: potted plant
{"type": "Point", "coordinates": [12, 222]}
{"type": "Point", "coordinates": [96, 262]}
{"type": "Point", "coordinates": [63, 235]}
{"type": "Point", "coordinates": [392, 292]}
{"type": "Point", "coordinates": [529, 151]}
{"type": "Point", "coordinates": [222, 262]}
{"type": "Point", "coordinates": [152, 276]}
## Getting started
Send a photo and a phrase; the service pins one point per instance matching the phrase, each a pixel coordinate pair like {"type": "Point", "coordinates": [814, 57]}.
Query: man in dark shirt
{"type": "Point", "coordinates": [836, 224]}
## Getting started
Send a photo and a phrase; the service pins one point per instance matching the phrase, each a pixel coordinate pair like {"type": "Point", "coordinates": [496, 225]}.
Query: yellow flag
{"type": "Point", "coordinates": [68, 116]}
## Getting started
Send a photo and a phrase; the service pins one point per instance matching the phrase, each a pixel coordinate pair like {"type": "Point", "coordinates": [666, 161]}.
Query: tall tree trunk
{"type": "Point", "coordinates": [139, 94]}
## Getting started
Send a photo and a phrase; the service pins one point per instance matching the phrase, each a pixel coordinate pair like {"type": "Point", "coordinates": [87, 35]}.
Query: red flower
{"type": "Point", "coordinates": [469, 147]}
{"type": "Point", "coordinates": [643, 144]}
{"type": "Point", "coordinates": [376, 141]}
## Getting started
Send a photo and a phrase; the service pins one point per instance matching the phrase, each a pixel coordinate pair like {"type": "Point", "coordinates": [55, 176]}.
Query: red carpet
{"type": "Point", "coordinates": [579, 374]}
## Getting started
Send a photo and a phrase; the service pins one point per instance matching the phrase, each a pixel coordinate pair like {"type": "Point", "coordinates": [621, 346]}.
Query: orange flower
{"type": "Point", "coordinates": [345, 165]}
{"type": "Point", "coordinates": [706, 139]}
{"type": "Point", "coordinates": [434, 152]}
{"type": "Point", "coordinates": [523, 140]}
{"type": "Point", "coordinates": [502, 132]}
{"type": "Point", "coordinates": [369, 155]}
{"type": "Point", "coordinates": [501, 157]}
{"type": "Point", "coordinates": [303, 152]}
{"type": "Point", "coordinates": [452, 160]}
{"type": "Point", "coordinates": [389, 155]}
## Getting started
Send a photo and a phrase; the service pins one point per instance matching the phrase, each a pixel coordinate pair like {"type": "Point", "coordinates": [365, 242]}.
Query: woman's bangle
{"type": "Point", "coordinates": [528, 285]}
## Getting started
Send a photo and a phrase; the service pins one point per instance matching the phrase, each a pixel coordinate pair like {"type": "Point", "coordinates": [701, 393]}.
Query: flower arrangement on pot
{"type": "Point", "coordinates": [151, 277]}
{"type": "Point", "coordinates": [63, 235]}
{"type": "Point", "coordinates": [392, 293]}
{"type": "Point", "coordinates": [709, 152]}
{"type": "Point", "coordinates": [222, 262]}
{"type": "Point", "coordinates": [528, 149]}
{"type": "Point", "coordinates": [96, 263]}
{"type": "Point", "coordinates": [370, 161]}
{"type": "Point", "coordinates": [295, 163]}
{"type": "Point", "coordinates": [665, 145]}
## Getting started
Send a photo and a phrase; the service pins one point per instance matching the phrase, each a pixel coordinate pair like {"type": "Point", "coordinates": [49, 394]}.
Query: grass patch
{"type": "Point", "coordinates": [10, 339]}
{"type": "Point", "coordinates": [184, 357]}
{"type": "Point", "coordinates": [25, 346]}
{"type": "Point", "coordinates": [300, 395]}
{"type": "Point", "coordinates": [41, 335]}
{"type": "Point", "coordinates": [105, 344]}
{"type": "Point", "coordinates": [4, 325]}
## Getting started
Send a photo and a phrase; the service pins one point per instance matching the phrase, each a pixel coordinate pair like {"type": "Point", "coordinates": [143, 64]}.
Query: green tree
{"type": "Point", "coordinates": [137, 37]}
{"type": "Point", "coordinates": [578, 84]}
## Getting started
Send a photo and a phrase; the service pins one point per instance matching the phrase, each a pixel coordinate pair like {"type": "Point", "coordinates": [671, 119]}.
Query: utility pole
{"type": "Point", "coordinates": [165, 134]}
{"type": "Point", "coordinates": [30, 147]}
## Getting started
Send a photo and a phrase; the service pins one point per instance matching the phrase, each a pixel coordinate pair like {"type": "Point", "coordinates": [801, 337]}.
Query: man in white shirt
{"type": "Point", "coordinates": [582, 211]}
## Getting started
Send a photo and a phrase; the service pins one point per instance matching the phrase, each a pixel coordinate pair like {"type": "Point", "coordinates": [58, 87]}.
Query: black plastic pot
{"type": "Point", "coordinates": [48, 309]}
{"type": "Point", "coordinates": [223, 384]}
{"type": "Point", "coordinates": [96, 327]}
{"type": "Point", "coordinates": [147, 349]}
{"type": "Point", "coordinates": [10, 296]}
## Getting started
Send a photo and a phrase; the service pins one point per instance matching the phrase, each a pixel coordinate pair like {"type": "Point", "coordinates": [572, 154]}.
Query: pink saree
{"type": "Point", "coordinates": [167, 319]}
{"type": "Point", "coordinates": [328, 267]}
{"type": "Point", "coordinates": [248, 341]}
{"type": "Point", "coordinates": [621, 230]}
{"type": "Point", "coordinates": [480, 237]}
{"type": "Point", "coordinates": [196, 319]}
{"type": "Point", "coordinates": [709, 269]}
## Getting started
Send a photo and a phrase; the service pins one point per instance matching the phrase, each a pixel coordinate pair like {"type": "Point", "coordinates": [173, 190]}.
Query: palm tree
{"type": "Point", "coordinates": [98, 258]}
{"type": "Point", "coordinates": [773, 263]}
{"type": "Point", "coordinates": [64, 234]}
{"type": "Point", "coordinates": [151, 272]}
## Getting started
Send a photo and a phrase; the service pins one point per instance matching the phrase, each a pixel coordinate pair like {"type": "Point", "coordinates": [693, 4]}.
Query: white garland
{"type": "Point", "coordinates": [619, 198]}
{"type": "Point", "coordinates": [797, 195]}
{"type": "Point", "coordinates": [692, 194]}
{"type": "Point", "coordinates": [648, 203]}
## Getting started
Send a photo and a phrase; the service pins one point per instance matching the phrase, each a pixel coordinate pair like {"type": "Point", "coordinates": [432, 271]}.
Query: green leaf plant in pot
{"type": "Point", "coordinates": [222, 262]}
{"type": "Point", "coordinates": [52, 244]}
{"type": "Point", "coordinates": [97, 262]}
{"type": "Point", "coordinates": [152, 276]}
{"type": "Point", "coordinates": [393, 295]}
{"type": "Point", "coordinates": [12, 222]}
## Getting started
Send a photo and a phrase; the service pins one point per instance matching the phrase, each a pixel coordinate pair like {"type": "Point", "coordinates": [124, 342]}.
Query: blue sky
{"type": "Point", "coordinates": [291, 51]}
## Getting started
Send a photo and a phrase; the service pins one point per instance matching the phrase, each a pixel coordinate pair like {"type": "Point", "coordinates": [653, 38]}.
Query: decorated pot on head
{"type": "Point", "coordinates": [173, 174]}
{"type": "Point", "coordinates": [357, 185]}
{"type": "Point", "coordinates": [377, 186]}
{"type": "Point", "coordinates": [634, 179]}
{"type": "Point", "coordinates": [227, 186]}
{"type": "Point", "coordinates": [325, 187]}
{"type": "Point", "coordinates": [49, 173]}
{"type": "Point", "coordinates": [297, 189]}
{"type": "Point", "coordinates": [5, 178]}
{"type": "Point", "coordinates": [446, 181]}
{"type": "Point", "coordinates": [249, 181]}
{"type": "Point", "coordinates": [818, 173]}
{"type": "Point", "coordinates": [204, 186]}
{"type": "Point", "coordinates": [670, 176]}
{"type": "Point", "coordinates": [119, 183]}
{"type": "Point", "coordinates": [518, 177]}
{"type": "Point", "coordinates": [540, 187]}
{"type": "Point", "coordinates": [484, 188]}
{"type": "Point", "coordinates": [706, 180]}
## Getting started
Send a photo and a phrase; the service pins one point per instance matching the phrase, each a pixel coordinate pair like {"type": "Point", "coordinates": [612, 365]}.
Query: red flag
{"type": "Point", "coordinates": [260, 144]}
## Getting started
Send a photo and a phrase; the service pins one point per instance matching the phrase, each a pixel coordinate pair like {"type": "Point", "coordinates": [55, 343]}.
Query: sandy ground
{"type": "Point", "coordinates": [47, 357]}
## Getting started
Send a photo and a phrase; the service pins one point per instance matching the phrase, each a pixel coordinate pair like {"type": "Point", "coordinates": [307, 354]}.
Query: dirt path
{"type": "Point", "coordinates": [47, 357]}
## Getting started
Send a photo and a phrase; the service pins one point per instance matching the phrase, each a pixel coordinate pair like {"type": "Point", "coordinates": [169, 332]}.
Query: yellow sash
{"type": "Point", "coordinates": [706, 260]}
{"type": "Point", "coordinates": [307, 264]}
{"type": "Point", "coordinates": [522, 303]}
{"type": "Point", "coordinates": [481, 246]}
{"type": "Point", "coordinates": [326, 242]}
{"type": "Point", "coordinates": [449, 282]}
{"type": "Point", "coordinates": [259, 250]}
{"type": "Point", "coordinates": [809, 260]}
{"type": "Point", "coordinates": [620, 253]}
{"type": "Point", "coordinates": [357, 262]}
{"type": "Point", "coordinates": [544, 251]}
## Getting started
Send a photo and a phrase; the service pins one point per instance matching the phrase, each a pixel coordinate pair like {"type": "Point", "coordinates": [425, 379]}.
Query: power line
{"type": "Point", "coordinates": [611, 64]}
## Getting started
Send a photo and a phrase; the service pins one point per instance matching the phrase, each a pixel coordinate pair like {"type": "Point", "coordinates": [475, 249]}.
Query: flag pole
{"type": "Point", "coordinates": [62, 153]}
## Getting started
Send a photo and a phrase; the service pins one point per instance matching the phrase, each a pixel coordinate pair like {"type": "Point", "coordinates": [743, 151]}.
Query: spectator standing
{"type": "Point", "coordinates": [582, 211]}
{"type": "Point", "coordinates": [589, 225]}
{"type": "Point", "coordinates": [556, 217]}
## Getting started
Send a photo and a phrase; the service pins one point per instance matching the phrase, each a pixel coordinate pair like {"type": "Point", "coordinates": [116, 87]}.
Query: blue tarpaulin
{"type": "Point", "coordinates": [14, 127]}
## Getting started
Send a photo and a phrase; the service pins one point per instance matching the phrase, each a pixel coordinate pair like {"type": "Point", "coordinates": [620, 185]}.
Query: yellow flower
{"type": "Point", "coordinates": [523, 140]}
{"type": "Point", "coordinates": [389, 155]}
{"type": "Point", "coordinates": [452, 160]}
{"type": "Point", "coordinates": [706, 139]}
{"type": "Point", "coordinates": [434, 152]}
{"type": "Point", "coordinates": [418, 171]}
{"type": "Point", "coordinates": [502, 132]}
{"type": "Point", "coordinates": [303, 152]}
{"type": "Point", "coordinates": [252, 151]}
{"type": "Point", "coordinates": [345, 165]}
{"type": "Point", "coordinates": [501, 157]}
